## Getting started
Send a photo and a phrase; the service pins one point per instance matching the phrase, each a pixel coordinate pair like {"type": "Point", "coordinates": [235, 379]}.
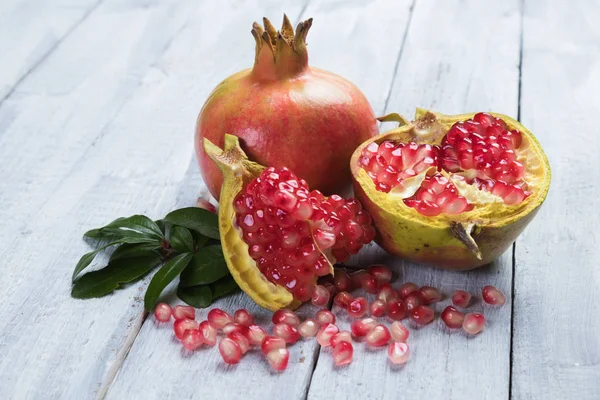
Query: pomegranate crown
{"type": "Point", "coordinates": [280, 54]}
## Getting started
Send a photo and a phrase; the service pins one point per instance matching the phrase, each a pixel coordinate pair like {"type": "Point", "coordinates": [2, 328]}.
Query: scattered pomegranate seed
{"type": "Point", "coordinates": [208, 332]}
{"type": "Point", "coordinates": [422, 315]}
{"type": "Point", "coordinates": [412, 301]}
{"type": "Point", "coordinates": [331, 289]}
{"type": "Point", "coordinates": [430, 295]}
{"type": "Point", "coordinates": [163, 312]}
{"type": "Point", "coordinates": [205, 204]}
{"type": "Point", "coordinates": [452, 317]}
{"type": "Point", "coordinates": [461, 298]}
{"type": "Point", "coordinates": [231, 352]}
{"type": "Point", "coordinates": [398, 352]}
{"type": "Point", "coordinates": [342, 280]}
{"type": "Point", "coordinates": [192, 339]}
{"type": "Point", "coordinates": [270, 343]}
{"type": "Point", "coordinates": [320, 296]}
{"type": "Point", "coordinates": [342, 353]}
{"type": "Point", "coordinates": [243, 317]}
{"type": "Point", "coordinates": [369, 283]}
{"type": "Point", "coordinates": [341, 336]}
{"type": "Point", "coordinates": [399, 332]}
{"type": "Point", "coordinates": [256, 334]}
{"type": "Point", "coordinates": [241, 340]}
{"type": "Point", "coordinates": [286, 316]}
{"type": "Point", "coordinates": [382, 273]}
{"type": "Point", "coordinates": [343, 299]}
{"type": "Point", "coordinates": [183, 312]}
{"type": "Point", "coordinates": [286, 332]}
{"type": "Point", "coordinates": [377, 308]}
{"type": "Point", "coordinates": [181, 325]}
{"type": "Point", "coordinates": [386, 293]}
{"type": "Point", "coordinates": [325, 317]}
{"type": "Point", "coordinates": [378, 336]}
{"type": "Point", "coordinates": [233, 327]}
{"type": "Point", "coordinates": [358, 307]}
{"type": "Point", "coordinates": [308, 328]}
{"type": "Point", "coordinates": [356, 278]}
{"type": "Point", "coordinates": [326, 333]}
{"type": "Point", "coordinates": [492, 295]}
{"type": "Point", "coordinates": [363, 326]}
{"type": "Point", "coordinates": [407, 288]}
{"type": "Point", "coordinates": [473, 323]}
{"type": "Point", "coordinates": [278, 359]}
{"type": "Point", "coordinates": [396, 309]}
{"type": "Point", "coordinates": [219, 318]}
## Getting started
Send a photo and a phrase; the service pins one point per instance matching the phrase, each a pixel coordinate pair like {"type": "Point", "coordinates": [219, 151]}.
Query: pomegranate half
{"type": "Point", "coordinates": [283, 110]}
{"type": "Point", "coordinates": [278, 236]}
{"type": "Point", "coordinates": [451, 191]}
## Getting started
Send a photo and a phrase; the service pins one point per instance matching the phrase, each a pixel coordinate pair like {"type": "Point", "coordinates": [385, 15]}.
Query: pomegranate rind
{"type": "Point", "coordinates": [457, 242]}
{"type": "Point", "coordinates": [238, 171]}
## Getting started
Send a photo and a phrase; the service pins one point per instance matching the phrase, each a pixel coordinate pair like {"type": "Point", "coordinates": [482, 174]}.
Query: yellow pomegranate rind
{"type": "Point", "coordinates": [458, 242]}
{"type": "Point", "coordinates": [238, 171]}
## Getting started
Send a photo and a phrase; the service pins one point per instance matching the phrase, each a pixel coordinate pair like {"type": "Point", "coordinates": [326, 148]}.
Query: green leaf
{"type": "Point", "coordinates": [196, 219]}
{"type": "Point", "coordinates": [223, 287]}
{"type": "Point", "coordinates": [134, 226]}
{"type": "Point", "coordinates": [161, 225]}
{"type": "Point", "coordinates": [181, 239]}
{"type": "Point", "coordinates": [135, 250]}
{"type": "Point", "coordinates": [163, 277]}
{"type": "Point", "coordinates": [207, 266]}
{"type": "Point", "coordinates": [97, 234]}
{"type": "Point", "coordinates": [196, 296]}
{"type": "Point", "coordinates": [200, 240]}
{"type": "Point", "coordinates": [117, 272]}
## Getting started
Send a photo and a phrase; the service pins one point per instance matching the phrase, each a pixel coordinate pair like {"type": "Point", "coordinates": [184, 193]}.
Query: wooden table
{"type": "Point", "coordinates": [98, 100]}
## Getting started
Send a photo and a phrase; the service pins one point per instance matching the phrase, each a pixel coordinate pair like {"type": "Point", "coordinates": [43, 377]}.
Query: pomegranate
{"type": "Point", "coordinates": [461, 298]}
{"type": "Point", "coordinates": [452, 191]}
{"type": "Point", "coordinates": [361, 327]}
{"type": "Point", "coordinates": [308, 328]}
{"type": "Point", "coordinates": [343, 353]}
{"type": "Point", "coordinates": [492, 295]}
{"type": "Point", "coordinates": [278, 359]}
{"type": "Point", "coordinates": [163, 312]}
{"type": "Point", "coordinates": [399, 332]}
{"type": "Point", "coordinates": [283, 110]}
{"type": "Point", "coordinates": [473, 323]}
{"type": "Point", "coordinates": [277, 235]}
{"type": "Point", "coordinates": [398, 352]}
{"type": "Point", "coordinates": [452, 317]}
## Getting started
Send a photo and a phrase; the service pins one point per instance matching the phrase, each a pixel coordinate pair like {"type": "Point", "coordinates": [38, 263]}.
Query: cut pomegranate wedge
{"type": "Point", "coordinates": [453, 191]}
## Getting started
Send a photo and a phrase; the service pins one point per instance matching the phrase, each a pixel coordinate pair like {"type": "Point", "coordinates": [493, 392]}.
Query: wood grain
{"type": "Point", "coordinates": [556, 350]}
{"type": "Point", "coordinates": [458, 57]}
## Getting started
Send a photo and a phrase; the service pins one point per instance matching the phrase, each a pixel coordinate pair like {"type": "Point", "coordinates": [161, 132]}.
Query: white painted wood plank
{"type": "Point", "coordinates": [30, 30]}
{"type": "Point", "coordinates": [459, 56]}
{"type": "Point", "coordinates": [556, 350]}
{"type": "Point", "coordinates": [143, 373]}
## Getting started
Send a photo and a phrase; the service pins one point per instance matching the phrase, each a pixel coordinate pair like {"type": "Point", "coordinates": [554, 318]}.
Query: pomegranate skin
{"type": "Point", "coordinates": [303, 118]}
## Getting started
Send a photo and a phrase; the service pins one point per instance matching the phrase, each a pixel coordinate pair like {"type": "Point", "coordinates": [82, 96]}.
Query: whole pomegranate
{"type": "Point", "coordinates": [452, 191]}
{"type": "Point", "coordinates": [287, 113]}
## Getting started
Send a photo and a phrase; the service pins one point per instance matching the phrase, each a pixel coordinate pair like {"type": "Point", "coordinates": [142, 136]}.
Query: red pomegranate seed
{"type": "Point", "coordinates": [271, 343]}
{"type": "Point", "coordinates": [407, 288]}
{"type": "Point", "coordinates": [473, 323]}
{"type": "Point", "coordinates": [183, 312]}
{"type": "Point", "coordinates": [308, 328]}
{"type": "Point", "coordinates": [358, 307]}
{"type": "Point", "coordinates": [438, 195]}
{"type": "Point", "coordinates": [241, 340]}
{"type": "Point", "coordinates": [330, 287]}
{"type": "Point", "coordinates": [243, 317]}
{"type": "Point", "coordinates": [399, 332]}
{"type": "Point", "coordinates": [192, 339]}
{"type": "Point", "coordinates": [325, 317]}
{"type": "Point", "coordinates": [341, 336]}
{"type": "Point", "coordinates": [422, 315]}
{"type": "Point", "coordinates": [356, 278]}
{"type": "Point", "coordinates": [461, 298]}
{"type": "Point", "coordinates": [256, 334]}
{"type": "Point", "coordinates": [412, 301]}
{"type": "Point", "coordinates": [492, 295]}
{"type": "Point", "coordinates": [278, 359]}
{"type": "Point", "coordinates": [452, 317]}
{"type": "Point", "coordinates": [378, 336]}
{"type": "Point", "coordinates": [382, 273]}
{"type": "Point", "coordinates": [286, 332]}
{"type": "Point", "coordinates": [377, 308]}
{"type": "Point", "coordinates": [342, 353]}
{"type": "Point", "coordinates": [320, 296]}
{"type": "Point", "coordinates": [386, 293]}
{"type": "Point", "coordinates": [208, 332]}
{"type": "Point", "coordinates": [231, 352]}
{"type": "Point", "coordinates": [163, 312]}
{"type": "Point", "coordinates": [219, 318]}
{"type": "Point", "coordinates": [342, 280]}
{"type": "Point", "coordinates": [205, 204]}
{"type": "Point", "coordinates": [396, 309]}
{"type": "Point", "coordinates": [363, 326]}
{"type": "Point", "coordinates": [286, 316]}
{"type": "Point", "coordinates": [429, 295]}
{"type": "Point", "coordinates": [369, 283]}
{"type": "Point", "coordinates": [326, 333]}
{"type": "Point", "coordinates": [233, 327]}
{"type": "Point", "coordinates": [181, 325]}
{"type": "Point", "coordinates": [343, 299]}
{"type": "Point", "coordinates": [398, 352]}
